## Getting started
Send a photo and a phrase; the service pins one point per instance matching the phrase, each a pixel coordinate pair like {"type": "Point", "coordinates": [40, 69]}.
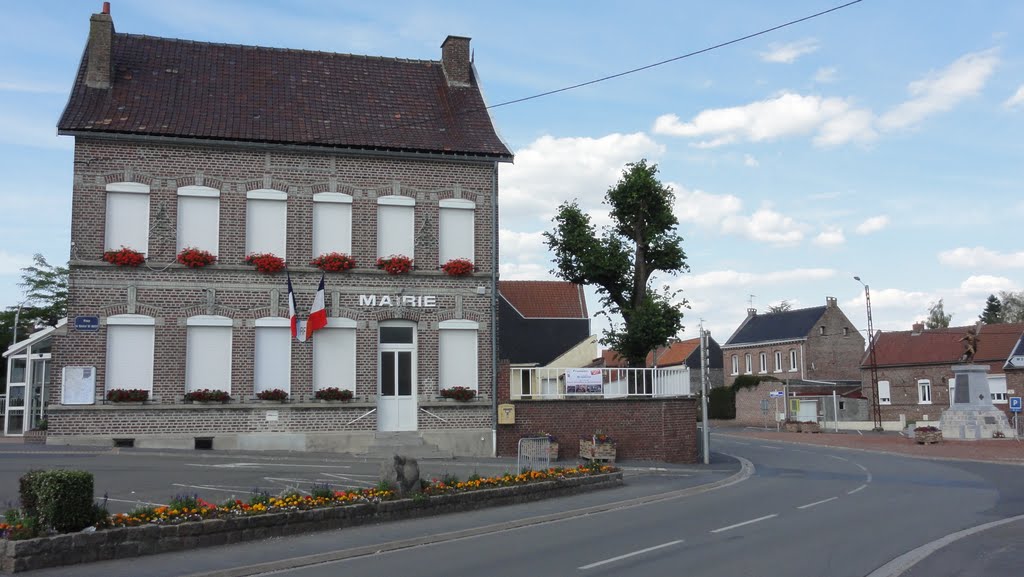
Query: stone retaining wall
{"type": "Point", "coordinates": [73, 548]}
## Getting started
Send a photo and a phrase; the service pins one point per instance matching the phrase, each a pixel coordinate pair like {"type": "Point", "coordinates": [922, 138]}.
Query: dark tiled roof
{"type": "Point", "coordinates": [178, 88]}
{"type": "Point", "coordinates": [537, 299]}
{"type": "Point", "coordinates": [795, 324]}
{"type": "Point", "coordinates": [934, 346]}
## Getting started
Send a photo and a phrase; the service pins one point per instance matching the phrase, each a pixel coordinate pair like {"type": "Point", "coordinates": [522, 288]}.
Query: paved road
{"type": "Point", "coordinates": [806, 511]}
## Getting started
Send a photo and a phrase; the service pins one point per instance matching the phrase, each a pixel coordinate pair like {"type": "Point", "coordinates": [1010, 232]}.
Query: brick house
{"type": "Point", "coordinates": [1014, 370]}
{"type": "Point", "coordinates": [915, 368]}
{"type": "Point", "coordinates": [240, 150]}
{"type": "Point", "coordinates": [817, 344]}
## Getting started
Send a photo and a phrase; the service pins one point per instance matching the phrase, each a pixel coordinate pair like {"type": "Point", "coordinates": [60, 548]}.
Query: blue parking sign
{"type": "Point", "coordinates": [1015, 404]}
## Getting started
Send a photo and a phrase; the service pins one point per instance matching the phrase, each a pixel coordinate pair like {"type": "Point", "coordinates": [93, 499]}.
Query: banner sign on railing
{"type": "Point", "coordinates": [583, 381]}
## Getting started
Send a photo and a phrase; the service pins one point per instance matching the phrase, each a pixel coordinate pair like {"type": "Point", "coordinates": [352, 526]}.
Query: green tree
{"type": "Point", "coordinates": [937, 317]}
{"type": "Point", "coordinates": [46, 290]}
{"type": "Point", "coordinates": [782, 307]}
{"type": "Point", "coordinates": [620, 260]}
{"type": "Point", "coordinates": [1012, 306]}
{"type": "Point", "coordinates": [993, 312]}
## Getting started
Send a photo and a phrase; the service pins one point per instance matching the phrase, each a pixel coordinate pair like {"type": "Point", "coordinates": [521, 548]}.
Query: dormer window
{"type": "Point", "coordinates": [821, 330]}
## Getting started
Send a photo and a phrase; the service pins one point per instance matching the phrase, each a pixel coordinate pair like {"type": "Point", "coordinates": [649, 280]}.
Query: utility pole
{"type": "Point", "coordinates": [706, 433]}
{"type": "Point", "coordinates": [876, 406]}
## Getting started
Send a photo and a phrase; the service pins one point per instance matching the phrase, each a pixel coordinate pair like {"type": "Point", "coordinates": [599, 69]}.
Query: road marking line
{"type": "Point", "coordinates": [769, 447]}
{"type": "Point", "coordinates": [744, 523]}
{"type": "Point", "coordinates": [841, 459]}
{"type": "Point", "coordinates": [243, 465]}
{"type": "Point", "coordinates": [860, 433]}
{"type": "Point", "coordinates": [809, 505]}
{"type": "Point", "coordinates": [130, 501]}
{"type": "Point", "coordinates": [206, 487]}
{"type": "Point", "coordinates": [858, 489]}
{"type": "Point", "coordinates": [633, 554]}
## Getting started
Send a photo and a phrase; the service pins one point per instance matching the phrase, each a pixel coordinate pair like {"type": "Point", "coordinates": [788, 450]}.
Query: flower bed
{"type": "Point", "coordinates": [395, 264]}
{"type": "Point", "coordinates": [266, 262]}
{"type": "Point", "coordinates": [207, 396]}
{"type": "Point", "coordinates": [597, 451]}
{"type": "Point", "coordinates": [458, 267]}
{"type": "Point", "coordinates": [166, 530]}
{"type": "Point", "coordinates": [195, 257]}
{"type": "Point", "coordinates": [463, 394]}
{"type": "Point", "coordinates": [927, 435]}
{"type": "Point", "coordinates": [333, 394]}
{"type": "Point", "coordinates": [124, 256]}
{"type": "Point", "coordinates": [334, 262]}
{"type": "Point", "coordinates": [273, 395]}
{"type": "Point", "coordinates": [127, 395]}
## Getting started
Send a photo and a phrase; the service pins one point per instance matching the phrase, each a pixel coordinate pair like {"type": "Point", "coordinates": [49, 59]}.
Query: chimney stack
{"type": "Point", "coordinates": [455, 60]}
{"type": "Point", "coordinates": [751, 312]}
{"type": "Point", "coordinates": [918, 328]}
{"type": "Point", "coordinates": [830, 302]}
{"type": "Point", "coordinates": [99, 70]}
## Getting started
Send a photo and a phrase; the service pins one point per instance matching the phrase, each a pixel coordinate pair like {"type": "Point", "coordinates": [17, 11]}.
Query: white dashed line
{"type": "Point", "coordinates": [809, 505]}
{"type": "Point", "coordinates": [719, 530]}
{"type": "Point", "coordinates": [633, 554]}
{"type": "Point", "coordinates": [770, 447]}
{"type": "Point", "coordinates": [858, 489]}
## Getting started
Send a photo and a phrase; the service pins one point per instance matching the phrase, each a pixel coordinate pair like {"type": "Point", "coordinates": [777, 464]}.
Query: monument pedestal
{"type": "Point", "coordinates": [972, 415]}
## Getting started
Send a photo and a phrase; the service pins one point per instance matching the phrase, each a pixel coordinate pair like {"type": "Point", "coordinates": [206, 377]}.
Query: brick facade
{"type": "Point", "coordinates": [170, 293]}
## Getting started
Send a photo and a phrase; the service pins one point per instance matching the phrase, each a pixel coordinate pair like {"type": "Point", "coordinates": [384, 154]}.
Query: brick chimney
{"type": "Point", "coordinates": [455, 60]}
{"type": "Point", "coordinates": [99, 72]}
{"type": "Point", "coordinates": [918, 328]}
{"type": "Point", "coordinates": [830, 302]}
{"type": "Point", "coordinates": [751, 312]}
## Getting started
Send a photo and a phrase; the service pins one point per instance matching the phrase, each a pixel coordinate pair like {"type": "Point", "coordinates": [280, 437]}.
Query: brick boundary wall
{"type": "Point", "coordinates": [121, 543]}
{"type": "Point", "coordinates": [643, 429]}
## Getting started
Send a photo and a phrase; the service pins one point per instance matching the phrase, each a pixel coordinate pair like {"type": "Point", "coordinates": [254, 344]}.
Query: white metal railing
{"type": "Point", "coordinates": [597, 383]}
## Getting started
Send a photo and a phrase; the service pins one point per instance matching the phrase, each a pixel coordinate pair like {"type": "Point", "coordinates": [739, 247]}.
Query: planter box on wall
{"type": "Point", "coordinates": [927, 437]}
{"type": "Point", "coordinates": [34, 437]}
{"type": "Point", "coordinates": [597, 452]}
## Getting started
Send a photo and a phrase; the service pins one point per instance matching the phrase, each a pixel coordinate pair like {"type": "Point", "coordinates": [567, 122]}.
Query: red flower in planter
{"type": "Point", "coordinates": [195, 257]}
{"type": "Point", "coordinates": [124, 256]}
{"type": "Point", "coordinates": [333, 394]}
{"type": "Point", "coordinates": [265, 262]}
{"type": "Point", "coordinates": [272, 395]}
{"type": "Point", "coordinates": [395, 264]}
{"type": "Point", "coordinates": [458, 267]}
{"type": "Point", "coordinates": [127, 395]}
{"type": "Point", "coordinates": [334, 262]}
{"type": "Point", "coordinates": [207, 396]}
{"type": "Point", "coordinates": [458, 393]}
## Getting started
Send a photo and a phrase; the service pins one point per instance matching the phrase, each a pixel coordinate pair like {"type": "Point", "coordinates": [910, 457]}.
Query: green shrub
{"type": "Point", "coordinates": [184, 501]}
{"type": "Point", "coordinates": [321, 490]}
{"type": "Point", "coordinates": [29, 492]}
{"type": "Point", "coordinates": [722, 403]}
{"type": "Point", "coordinates": [65, 500]}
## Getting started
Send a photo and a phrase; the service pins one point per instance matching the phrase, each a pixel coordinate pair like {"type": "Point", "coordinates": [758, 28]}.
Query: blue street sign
{"type": "Point", "coordinates": [776, 394]}
{"type": "Point", "coordinates": [1015, 404]}
{"type": "Point", "coordinates": [87, 324]}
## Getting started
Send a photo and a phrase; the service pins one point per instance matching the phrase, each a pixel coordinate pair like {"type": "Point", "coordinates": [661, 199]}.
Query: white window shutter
{"type": "Point", "coordinates": [266, 226]}
{"type": "Point", "coordinates": [199, 222]}
{"type": "Point", "coordinates": [884, 396]}
{"type": "Point", "coordinates": [208, 358]}
{"type": "Point", "coordinates": [457, 235]}
{"type": "Point", "coordinates": [129, 357]}
{"type": "Point", "coordinates": [127, 221]}
{"type": "Point", "coordinates": [334, 358]}
{"type": "Point", "coordinates": [272, 360]}
{"type": "Point", "coordinates": [458, 358]}
{"type": "Point", "coordinates": [395, 230]}
{"type": "Point", "coordinates": [332, 228]}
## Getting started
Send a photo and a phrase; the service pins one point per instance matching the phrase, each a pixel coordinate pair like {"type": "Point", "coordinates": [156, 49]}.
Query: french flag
{"type": "Point", "coordinates": [296, 332]}
{"type": "Point", "coordinates": [318, 314]}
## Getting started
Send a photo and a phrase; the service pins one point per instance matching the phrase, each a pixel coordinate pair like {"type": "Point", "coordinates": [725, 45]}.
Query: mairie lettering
{"type": "Point", "coordinates": [417, 301]}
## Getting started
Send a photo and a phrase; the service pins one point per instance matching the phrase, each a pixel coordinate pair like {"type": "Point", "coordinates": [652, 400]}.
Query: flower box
{"type": "Point", "coordinates": [458, 267]}
{"type": "Point", "coordinates": [810, 427]}
{"type": "Point", "coordinates": [333, 395]}
{"type": "Point", "coordinates": [274, 395]}
{"type": "Point", "coordinates": [792, 426]}
{"type": "Point", "coordinates": [207, 396]}
{"type": "Point", "coordinates": [121, 396]}
{"type": "Point", "coordinates": [927, 435]}
{"type": "Point", "coordinates": [195, 257]}
{"type": "Point", "coordinates": [395, 264]}
{"type": "Point", "coordinates": [124, 256]}
{"type": "Point", "coordinates": [462, 394]}
{"type": "Point", "coordinates": [266, 263]}
{"type": "Point", "coordinates": [597, 451]}
{"type": "Point", "coordinates": [334, 262]}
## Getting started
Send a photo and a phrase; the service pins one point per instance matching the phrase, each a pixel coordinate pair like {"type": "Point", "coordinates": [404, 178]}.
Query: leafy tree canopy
{"type": "Point", "coordinates": [782, 307]}
{"type": "Point", "coordinates": [620, 260]}
{"type": "Point", "coordinates": [937, 317]}
{"type": "Point", "coordinates": [1012, 306]}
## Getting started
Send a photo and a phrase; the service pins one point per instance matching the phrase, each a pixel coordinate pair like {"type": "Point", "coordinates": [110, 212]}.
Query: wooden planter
{"type": "Point", "coordinates": [792, 427]}
{"type": "Point", "coordinates": [927, 437]}
{"type": "Point", "coordinates": [553, 451]}
{"type": "Point", "coordinates": [34, 437]}
{"type": "Point", "coordinates": [597, 452]}
{"type": "Point", "coordinates": [810, 428]}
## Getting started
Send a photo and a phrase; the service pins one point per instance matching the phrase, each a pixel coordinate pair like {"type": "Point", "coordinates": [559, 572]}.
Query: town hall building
{"type": "Point", "coordinates": [245, 150]}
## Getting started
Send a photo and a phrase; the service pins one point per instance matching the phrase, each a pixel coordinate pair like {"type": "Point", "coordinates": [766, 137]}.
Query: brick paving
{"type": "Point", "coordinates": [989, 450]}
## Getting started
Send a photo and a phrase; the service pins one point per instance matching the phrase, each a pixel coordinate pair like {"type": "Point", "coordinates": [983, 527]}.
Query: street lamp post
{"type": "Point", "coordinates": [876, 406]}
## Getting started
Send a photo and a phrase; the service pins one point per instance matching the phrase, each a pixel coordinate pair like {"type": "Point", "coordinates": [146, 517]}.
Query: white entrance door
{"type": "Point", "coordinates": [14, 417]}
{"type": "Point", "coordinates": [396, 376]}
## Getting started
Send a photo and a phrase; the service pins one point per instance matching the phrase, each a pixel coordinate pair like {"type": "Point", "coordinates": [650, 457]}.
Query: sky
{"type": "Point", "coordinates": [882, 140]}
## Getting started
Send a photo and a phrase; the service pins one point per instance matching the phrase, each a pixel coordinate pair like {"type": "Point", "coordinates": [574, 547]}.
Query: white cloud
{"type": "Point", "coordinates": [521, 247]}
{"type": "Point", "coordinates": [873, 224]}
{"type": "Point", "coordinates": [13, 263]}
{"type": "Point", "coordinates": [704, 208]}
{"type": "Point", "coordinates": [825, 75]}
{"type": "Point", "coordinates": [1017, 99]}
{"type": "Point", "coordinates": [981, 257]}
{"type": "Point", "coordinates": [830, 237]}
{"type": "Point", "coordinates": [788, 114]}
{"type": "Point", "coordinates": [33, 87]}
{"type": "Point", "coordinates": [986, 284]}
{"type": "Point", "coordinates": [525, 271]}
{"type": "Point", "coordinates": [726, 278]}
{"type": "Point", "coordinates": [750, 161]}
{"type": "Point", "coordinates": [893, 298]}
{"type": "Point", "coordinates": [788, 53]}
{"type": "Point", "coordinates": [766, 225]}
{"type": "Point", "coordinates": [941, 91]}
{"type": "Point", "coordinates": [552, 170]}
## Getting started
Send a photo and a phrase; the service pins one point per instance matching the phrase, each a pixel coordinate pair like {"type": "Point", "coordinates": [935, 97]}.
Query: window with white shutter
{"type": "Point", "coordinates": [458, 354]}
{"type": "Point", "coordinates": [199, 218]}
{"type": "Point", "coordinates": [208, 353]}
{"type": "Point", "coordinates": [395, 226]}
{"type": "Point", "coordinates": [332, 223]}
{"type": "Point", "coordinates": [884, 396]}
{"type": "Point", "coordinates": [334, 355]}
{"type": "Point", "coordinates": [127, 222]}
{"type": "Point", "coordinates": [130, 344]}
{"type": "Point", "coordinates": [273, 355]}
{"type": "Point", "coordinates": [457, 229]}
{"type": "Point", "coordinates": [266, 222]}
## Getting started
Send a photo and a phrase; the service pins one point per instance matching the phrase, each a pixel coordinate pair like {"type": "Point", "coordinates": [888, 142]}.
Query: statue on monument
{"type": "Point", "coordinates": [970, 341]}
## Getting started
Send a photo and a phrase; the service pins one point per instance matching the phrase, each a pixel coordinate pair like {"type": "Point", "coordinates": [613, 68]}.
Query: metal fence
{"type": "Point", "coordinates": [533, 454]}
{"type": "Point", "coordinates": [600, 383]}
